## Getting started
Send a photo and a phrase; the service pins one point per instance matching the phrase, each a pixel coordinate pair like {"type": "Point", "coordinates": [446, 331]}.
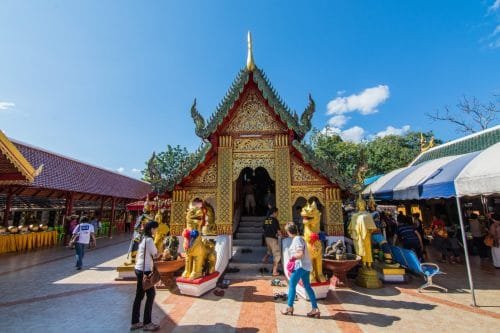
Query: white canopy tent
{"type": "Point", "coordinates": [472, 174]}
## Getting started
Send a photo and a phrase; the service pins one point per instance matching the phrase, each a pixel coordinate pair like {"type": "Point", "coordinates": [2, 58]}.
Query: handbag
{"type": "Point", "coordinates": [149, 281]}
{"type": "Point", "coordinates": [290, 266]}
{"type": "Point", "coordinates": [489, 240]}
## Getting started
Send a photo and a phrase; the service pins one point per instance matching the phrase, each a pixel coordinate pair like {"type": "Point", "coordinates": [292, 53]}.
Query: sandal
{"type": "Point", "coordinates": [287, 311]}
{"type": "Point", "coordinates": [136, 326]}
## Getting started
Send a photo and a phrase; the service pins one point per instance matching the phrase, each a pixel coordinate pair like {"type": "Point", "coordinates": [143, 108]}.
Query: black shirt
{"type": "Point", "coordinates": [271, 227]}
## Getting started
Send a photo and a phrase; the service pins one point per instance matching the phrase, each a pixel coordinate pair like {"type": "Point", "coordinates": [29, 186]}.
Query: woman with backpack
{"type": "Point", "coordinates": [299, 258]}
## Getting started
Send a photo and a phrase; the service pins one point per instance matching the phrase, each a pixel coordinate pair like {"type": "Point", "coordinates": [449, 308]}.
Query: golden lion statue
{"type": "Point", "coordinates": [311, 217]}
{"type": "Point", "coordinates": [209, 228]}
{"type": "Point", "coordinates": [200, 253]}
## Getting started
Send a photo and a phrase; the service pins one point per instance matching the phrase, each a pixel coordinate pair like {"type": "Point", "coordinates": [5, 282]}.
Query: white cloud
{"type": "Point", "coordinates": [495, 6]}
{"type": "Point", "coordinates": [365, 102]}
{"type": "Point", "coordinates": [338, 120]}
{"type": "Point", "coordinates": [121, 169]}
{"type": "Point", "coordinates": [390, 130]}
{"type": "Point", "coordinates": [353, 134]}
{"type": "Point", "coordinates": [135, 170]}
{"type": "Point", "coordinates": [496, 31]}
{"type": "Point", "coordinates": [6, 105]}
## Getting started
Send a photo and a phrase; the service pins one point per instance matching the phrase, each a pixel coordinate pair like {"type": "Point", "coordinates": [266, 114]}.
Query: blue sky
{"type": "Point", "coordinates": [108, 82]}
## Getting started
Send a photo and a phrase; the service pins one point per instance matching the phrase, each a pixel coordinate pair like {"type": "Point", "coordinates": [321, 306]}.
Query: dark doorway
{"type": "Point", "coordinates": [256, 182]}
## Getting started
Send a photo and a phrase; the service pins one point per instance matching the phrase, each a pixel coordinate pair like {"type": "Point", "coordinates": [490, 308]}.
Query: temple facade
{"type": "Point", "coordinates": [254, 137]}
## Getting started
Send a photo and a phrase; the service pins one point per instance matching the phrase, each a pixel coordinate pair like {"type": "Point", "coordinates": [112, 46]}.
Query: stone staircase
{"type": "Point", "coordinates": [249, 237]}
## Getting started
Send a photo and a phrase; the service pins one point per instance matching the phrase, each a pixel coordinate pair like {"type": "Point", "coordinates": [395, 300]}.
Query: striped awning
{"type": "Point", "coordinates": [469, 174]}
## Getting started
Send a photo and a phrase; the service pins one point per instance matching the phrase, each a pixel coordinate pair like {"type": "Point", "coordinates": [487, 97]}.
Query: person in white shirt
{"type": "Point", "coordinates": [144, 265]}
{"type": "Point", "coordinates": [83, 234]}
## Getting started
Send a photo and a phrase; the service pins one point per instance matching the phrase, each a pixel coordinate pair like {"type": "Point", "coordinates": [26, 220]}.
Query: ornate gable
{"type": "Point", "coordinates": [253, 116]}
{"type": "Point", "coordinates": [207, 176]}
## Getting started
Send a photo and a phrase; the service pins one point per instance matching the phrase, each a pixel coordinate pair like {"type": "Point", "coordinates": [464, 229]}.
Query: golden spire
{"type": "Point", "coordinates": [250, 63]}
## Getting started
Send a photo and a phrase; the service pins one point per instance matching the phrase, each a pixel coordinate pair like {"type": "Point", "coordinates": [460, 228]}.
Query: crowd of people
{"type": "Point", "coordinates": [409, 232]}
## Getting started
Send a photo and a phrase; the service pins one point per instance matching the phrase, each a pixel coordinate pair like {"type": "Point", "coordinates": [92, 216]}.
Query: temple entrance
{"type": "Point", "coordinates": [255, 190]}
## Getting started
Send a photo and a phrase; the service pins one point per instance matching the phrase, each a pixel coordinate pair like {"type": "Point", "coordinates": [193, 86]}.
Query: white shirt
{"type": "Point", "coordinates": [83, 230]}
{"type": "Point", "coordinates": [299, 244]}
{"type": "Point", "coordinates": [148, 243]}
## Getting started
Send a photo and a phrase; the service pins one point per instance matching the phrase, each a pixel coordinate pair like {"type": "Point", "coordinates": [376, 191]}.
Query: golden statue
{"type": "Point", "coordinates": [423, 143]}
{"type": "Point", "coordinates": [209, 228]}
{"type": "Point", "coordinates": [311, 217]}
{"type": "Point", "coordinates": [200, 253]}
{"type": "Point", "coordinates": [360, 228]}
{"type": "Point", "coordinates": [161, 232]}
{"type": "Point", "coordinates": [138, 233]}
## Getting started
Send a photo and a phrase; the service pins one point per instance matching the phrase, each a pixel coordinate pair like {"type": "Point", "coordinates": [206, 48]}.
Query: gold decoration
{"type": "Point", "coordinates": [224, 212]}
{"type": "Point", "coordinates": [178, 211]}
{"type": "Point", "coordinates": [207, 177]}
{"type": "Point", "coordinates": [334, 218]}
{"type": "Point", "coordinates": [307, 192]}
{"type": "Point", "coordinates": [300, 174]}
{"type": "Point", "coordinates": [423, 143]}
{"type": "Point", "coordinates": [224, 229]}
{"type": "Point", "coordinates": [283, 179]}
{"type": "Point", "coordinates": [205, 194]}
{"type": "Point", "coordinates": [254, 144]}
{"type": "Point", "coordinates": [254, 117]}
{"type": "Point", "coordinates": [241, 161]}
{"type": "Point", "coordinates": [250, 62]}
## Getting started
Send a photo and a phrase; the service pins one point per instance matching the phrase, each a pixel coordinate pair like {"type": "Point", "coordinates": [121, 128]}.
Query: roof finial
{"type": "Point", "coordinates": [250, 63]}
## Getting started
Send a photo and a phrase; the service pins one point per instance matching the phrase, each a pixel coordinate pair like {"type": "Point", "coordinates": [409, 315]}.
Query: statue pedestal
{"type": "Point", "coordinates": [126, 273]}
{"type": "Point", "coordinates": [367, 278]}
{"type": "Point", "coordinates": [320, 290]}
{"type": "Point", "coordinates": [389, 274]}
{"type": "Point", "coordinates": [197, 287]}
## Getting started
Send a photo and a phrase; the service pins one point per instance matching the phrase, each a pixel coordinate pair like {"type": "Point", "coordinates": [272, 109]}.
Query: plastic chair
{"type": "Point", "coordinates": [408, 259]}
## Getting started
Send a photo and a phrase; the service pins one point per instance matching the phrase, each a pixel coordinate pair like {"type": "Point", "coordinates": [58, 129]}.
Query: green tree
{"type": "Point", "coordinates": [345, 155]}
{"type": "Point", "coordinates": [162, 168]}
{"type": "Point", "coordinates": [380, 155]}
{"type": "Point", "coordinates": [391, 152]}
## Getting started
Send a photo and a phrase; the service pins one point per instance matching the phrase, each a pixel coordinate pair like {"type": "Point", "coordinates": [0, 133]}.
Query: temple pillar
{"type": "Point", "coordinates": [334, 218]}
{"type": "Point", "coordinates": [224, 211]}
{"type": "Point", "coordinates": [283, 178]}
{"type": "Point", "coordinates": [178, 212]}
{"type": "Point", "coordinates": [112, 219]}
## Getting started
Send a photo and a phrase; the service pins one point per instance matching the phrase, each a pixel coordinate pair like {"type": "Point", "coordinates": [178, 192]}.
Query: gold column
{"type": "Point", "coordinates": [283, 178]}
{"type": "Point", "coordinates": [334, 217]}
{"type": "Point", "coordinates": [224, 211]}
{"type": "Point", "coordinates": [178, 213]}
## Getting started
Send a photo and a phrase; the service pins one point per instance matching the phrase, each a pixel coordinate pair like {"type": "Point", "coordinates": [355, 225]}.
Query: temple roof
{"type": "Point", "coordinates": [14, 168]}
{"type": "Point", "coordinates": [205, 129]}
{"type": "Point", "coordinates": [467, 144]}
{"type": "Point", "coordinates": [66, 174]}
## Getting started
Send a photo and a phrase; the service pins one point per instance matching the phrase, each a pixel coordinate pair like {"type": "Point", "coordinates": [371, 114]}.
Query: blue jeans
{"type": "Point", "coordinates": [80, 251]}
{"type": "Point", "coordinates": [300, 274]}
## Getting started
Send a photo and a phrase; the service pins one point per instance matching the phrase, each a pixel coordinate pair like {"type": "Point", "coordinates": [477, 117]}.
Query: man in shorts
{"type": "Point", "coordinates": [271, 232]}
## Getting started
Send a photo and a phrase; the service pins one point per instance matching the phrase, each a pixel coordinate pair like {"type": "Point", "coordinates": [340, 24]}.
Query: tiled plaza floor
{"type": "Point", "coordinates": [42, 292]}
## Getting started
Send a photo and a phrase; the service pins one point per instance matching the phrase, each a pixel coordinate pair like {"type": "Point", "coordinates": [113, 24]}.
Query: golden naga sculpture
{"type": "Point", "coordinates": [200, 253]}
{"type": "Point", "coordinates": [209, 228]}
{"type": "Point", "coordinates": [423, 143]}
{"type": "Point", "coordinates": [161, 232]}
{"type": "Point", "coordinates": [311, 217]}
